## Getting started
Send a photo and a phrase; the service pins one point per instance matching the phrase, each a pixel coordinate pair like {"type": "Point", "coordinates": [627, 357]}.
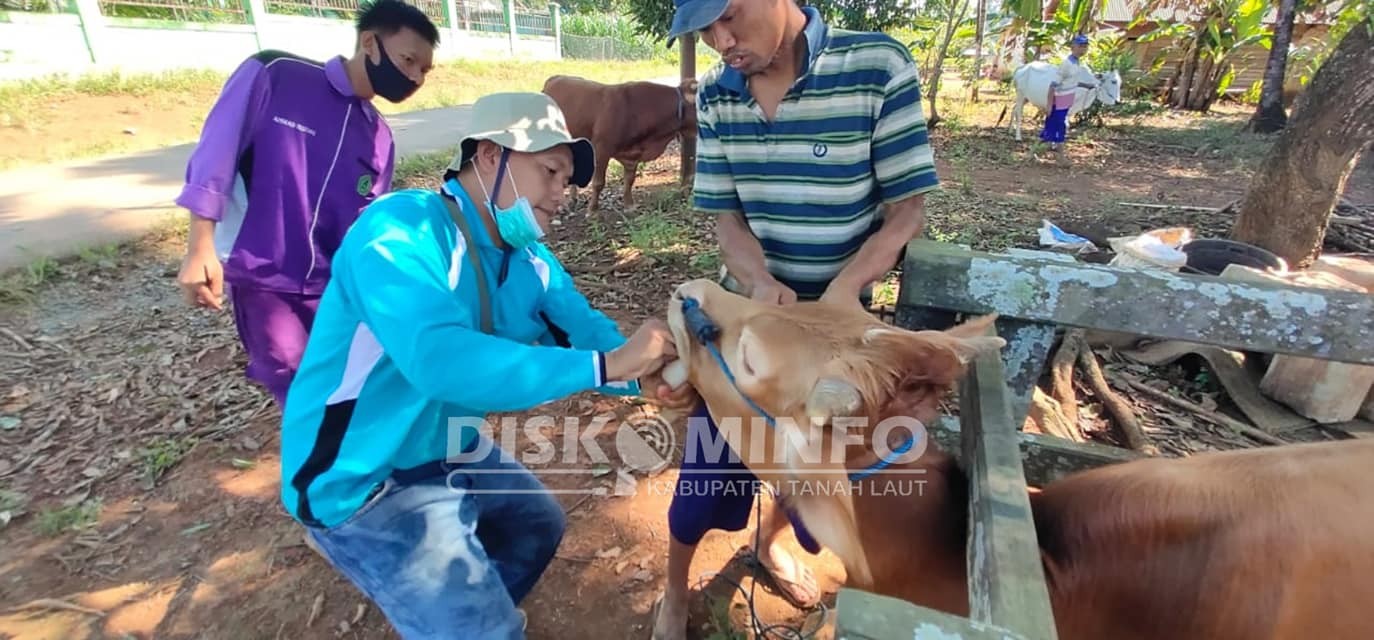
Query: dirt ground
{"type": "Point", "coordinates": [50, 121]}
{"type": "Point", "coordinates": [139, 473]}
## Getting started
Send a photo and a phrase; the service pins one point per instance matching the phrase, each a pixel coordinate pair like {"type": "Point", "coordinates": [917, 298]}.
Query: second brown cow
{"type": "Point", "coordinates": [632, 122]}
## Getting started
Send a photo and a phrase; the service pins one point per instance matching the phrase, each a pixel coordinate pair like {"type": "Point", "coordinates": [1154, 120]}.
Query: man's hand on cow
{"type": "Point", "coordinates": [653, 387]}
{"type": "Point", "coordinates": [841, 291]}
{"type": "Point", "coordinates": [647, 350]}
{"type": "Point", "coordinates": [771, 291]}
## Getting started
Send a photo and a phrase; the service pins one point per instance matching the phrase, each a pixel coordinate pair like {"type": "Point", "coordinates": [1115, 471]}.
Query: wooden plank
{"type": "Point", "coordinates": [1252, 316]}
{"type": "Point", "coordinates": [1044, 458]}
{"type": "Point", "coordinates": [1006, 580]}
{"type": "Point", "coordinates": [860, 615]}
{"type": "Point", "coordinates": [917, 318]}
{"type": "Point", "coordinates": [1028, 346]}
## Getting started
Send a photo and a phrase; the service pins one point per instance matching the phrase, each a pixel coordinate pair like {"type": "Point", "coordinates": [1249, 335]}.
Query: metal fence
{"type": "Point", "coordinates": [34, 6]}
{"type": "Point", "coordinates": [217, 11]}
{"type": "Point", "coordinates": [342, 9]}
{"type": "Point", "coordinates": [485, 16]}
{"type": "Point", "coordinates": [602, 48]}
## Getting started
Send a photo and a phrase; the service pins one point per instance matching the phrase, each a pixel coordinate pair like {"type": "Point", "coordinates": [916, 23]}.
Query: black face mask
{"type": "Point", "coordinates": [387, 80]}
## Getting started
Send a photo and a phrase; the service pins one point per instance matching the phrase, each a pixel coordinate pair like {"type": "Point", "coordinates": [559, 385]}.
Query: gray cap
{"type": "Point", "coordinates": [524, 121]}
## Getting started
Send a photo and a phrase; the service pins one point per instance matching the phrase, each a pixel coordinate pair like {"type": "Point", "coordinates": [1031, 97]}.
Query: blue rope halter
{"type": "Point", "coordinates": [706, 332]}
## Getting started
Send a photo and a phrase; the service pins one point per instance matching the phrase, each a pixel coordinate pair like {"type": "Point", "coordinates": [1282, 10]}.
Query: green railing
{"type": "Point", "coordinates": [214, 11]}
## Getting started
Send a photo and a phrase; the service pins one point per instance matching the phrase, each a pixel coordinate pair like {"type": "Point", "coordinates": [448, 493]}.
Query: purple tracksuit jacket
{"type": "Point", "coordinates": [287, 159]}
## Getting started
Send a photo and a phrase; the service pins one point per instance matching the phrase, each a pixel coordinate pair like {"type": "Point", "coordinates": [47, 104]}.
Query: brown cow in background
{"type": "Point", "coordinates": [1273, 543]}
{"type": "Point", "coordinates": [632, 122]}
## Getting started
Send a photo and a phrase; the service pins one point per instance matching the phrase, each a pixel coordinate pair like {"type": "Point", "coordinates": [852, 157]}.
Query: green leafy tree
{"type": "Point", "coordinates": [1210, 36]}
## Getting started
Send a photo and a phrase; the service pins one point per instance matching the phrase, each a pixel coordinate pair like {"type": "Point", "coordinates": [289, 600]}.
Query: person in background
{"type": "Point", "coordinates": [444, 307]}
{"type": "Point", "coordinates": [814, 160]}
{"type": "Point", "coordinates": [1061, 95]}
{"type": "Point", "coordinates": [290, 153]}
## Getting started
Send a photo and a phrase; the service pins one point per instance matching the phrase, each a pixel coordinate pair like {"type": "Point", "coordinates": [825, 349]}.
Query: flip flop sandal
{"type": "Point", "coordinates": [780, 586]}
{"type": "Point", "coordinates": [653, 616]}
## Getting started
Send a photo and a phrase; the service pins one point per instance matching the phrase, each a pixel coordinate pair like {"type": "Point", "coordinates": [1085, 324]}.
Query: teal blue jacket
{"type": "Point", "coordinates": [396, 351]}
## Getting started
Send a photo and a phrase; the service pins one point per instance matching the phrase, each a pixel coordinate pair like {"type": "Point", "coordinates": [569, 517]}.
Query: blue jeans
{"type": "Point", "coordinates": [449, 551]}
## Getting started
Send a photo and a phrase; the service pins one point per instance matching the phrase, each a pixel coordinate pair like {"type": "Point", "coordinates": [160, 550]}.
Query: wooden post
{"type": "Point", "coordinates": [1006, 581]}
{"type": "Point", "coordinates": [687, 46]}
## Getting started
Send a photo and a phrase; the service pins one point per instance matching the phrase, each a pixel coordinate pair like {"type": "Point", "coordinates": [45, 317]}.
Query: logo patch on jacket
{"type": "Point", "coordinates": [364, 184]}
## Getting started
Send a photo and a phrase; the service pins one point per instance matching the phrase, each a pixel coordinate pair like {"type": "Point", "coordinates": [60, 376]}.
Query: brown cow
{"type": "Point", "coordinates": [632, 122]}
{"type": "Point", "coordinates": [1263, 543]}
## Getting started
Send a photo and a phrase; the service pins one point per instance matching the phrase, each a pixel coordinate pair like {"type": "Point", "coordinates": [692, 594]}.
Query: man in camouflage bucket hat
{"type": "Point", "coordinates": [444, 306]}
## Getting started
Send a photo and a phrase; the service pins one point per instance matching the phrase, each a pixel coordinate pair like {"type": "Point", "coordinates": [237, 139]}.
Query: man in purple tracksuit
{"type": "Point", "coordinates": [290, 153]}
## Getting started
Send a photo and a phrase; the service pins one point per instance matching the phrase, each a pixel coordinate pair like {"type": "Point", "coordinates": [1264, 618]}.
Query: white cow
{"type": "Point", "coordinates": [1032, 82]}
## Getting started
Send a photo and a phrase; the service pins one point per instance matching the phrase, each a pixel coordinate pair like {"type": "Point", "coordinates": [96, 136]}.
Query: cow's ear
{"type": "Point", "coordinates": [929, 363]}
{"type": "Point", "coordinates": [971, 339]}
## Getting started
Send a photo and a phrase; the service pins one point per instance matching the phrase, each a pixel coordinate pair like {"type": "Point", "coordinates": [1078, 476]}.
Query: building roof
{"type": "Point", "coordinates": [1122, 12]}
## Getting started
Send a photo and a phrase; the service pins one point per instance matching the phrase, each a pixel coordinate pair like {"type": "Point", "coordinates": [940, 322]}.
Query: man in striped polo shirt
{"type": "Point", "coordinates": [813, 157]}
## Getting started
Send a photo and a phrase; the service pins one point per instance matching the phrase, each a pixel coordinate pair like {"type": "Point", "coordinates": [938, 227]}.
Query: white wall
{"type": "Point", "coordinates": [38, 44]}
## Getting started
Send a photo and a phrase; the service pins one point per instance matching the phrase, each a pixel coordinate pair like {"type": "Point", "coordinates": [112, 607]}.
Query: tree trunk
{"type": "Point", "coordinates": [1185, 82]}
{"type": "Point", "coordinates": [977, 78]}
{"type": "Point", "coordinates": [1166, 95]}
{"type": "Point", "coordinates": [1270, 116]}
{"type": "Point", "coordinates": [1292, 195]}
{"type": "Point", "coordinates": [1197, 89]}
{"type": "Point", "coordinates": [955, 17]}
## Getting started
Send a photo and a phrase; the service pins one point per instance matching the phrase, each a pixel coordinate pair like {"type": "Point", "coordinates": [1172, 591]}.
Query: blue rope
{"type": "Point", "coordinates": [706, 332]}
{"type": "Point", "coordinates": [883, 462]}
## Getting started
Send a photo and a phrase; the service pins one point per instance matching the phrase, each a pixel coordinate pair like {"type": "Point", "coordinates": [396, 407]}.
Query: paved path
{"type": "Point", "coordinates": [56, 210]}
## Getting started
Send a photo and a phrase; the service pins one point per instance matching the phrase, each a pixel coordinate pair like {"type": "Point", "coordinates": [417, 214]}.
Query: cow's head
{"type": "Point", "coordinates": [829, 375]}
{"type": "Point", "coordinates": [1108, 87]}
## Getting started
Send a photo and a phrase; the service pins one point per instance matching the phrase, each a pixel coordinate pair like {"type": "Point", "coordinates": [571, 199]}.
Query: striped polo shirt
{"type": "Point", "coordinates": [848, 136]}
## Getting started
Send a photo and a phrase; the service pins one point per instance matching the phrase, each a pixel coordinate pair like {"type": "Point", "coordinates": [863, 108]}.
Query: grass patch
{"type": "Point", "coordinates": [169, 108]}
{"type": "Point", "coordinates": [464, 81]}
{"type": "Point", "coordinates": [422, 171]}
{"type": "Point", "coordinates": [161, 455]}
{"type": "Point", "coordinates": [51, 522]}
{"type": "Point", "coordinates": [719, 624]}
{"type": "Point", "coordinates": [12, 505]}
{"type": "Point", "coordinates": [20, 100]}
{"type": "Point", "coordinates": [1199, 135]}
{"type": "Point", "coordinates": [655, 234]}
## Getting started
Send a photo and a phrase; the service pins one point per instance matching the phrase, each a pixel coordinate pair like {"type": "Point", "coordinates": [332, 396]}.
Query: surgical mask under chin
{"type": "Point", "coordinates": [517, 225]}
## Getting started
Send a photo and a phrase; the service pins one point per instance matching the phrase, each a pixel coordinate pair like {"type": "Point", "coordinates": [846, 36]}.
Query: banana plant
{"type": "Point", "coordinates": [1210, 34]}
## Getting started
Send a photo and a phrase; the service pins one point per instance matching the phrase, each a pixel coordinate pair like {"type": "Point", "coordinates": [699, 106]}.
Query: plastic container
{"type": "Point", "coordinates": [1211, 256]}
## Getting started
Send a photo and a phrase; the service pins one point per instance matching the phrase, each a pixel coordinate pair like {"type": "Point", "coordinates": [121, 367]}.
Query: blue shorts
{"type": "Point", "coordinates": [716, 491]}
{"type": "Point", "coordinates": [1056, 125]}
